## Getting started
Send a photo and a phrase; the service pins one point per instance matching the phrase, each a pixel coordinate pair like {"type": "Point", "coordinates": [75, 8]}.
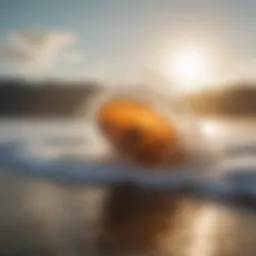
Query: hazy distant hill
{"type": "Point", "coordinates": [238, 100]}
{"type": "Point", "coordinates": [55, 99]}
{"type": "Point", "coordinates": [47, 99]}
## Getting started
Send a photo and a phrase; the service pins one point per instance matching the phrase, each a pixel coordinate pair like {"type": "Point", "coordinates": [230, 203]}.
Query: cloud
{"type": "Point", "coordinates": [71, 58]}
{"type": "Point", "coordinates": [10, 53]}
{"type": "Point", "coordinates": [39, 51]}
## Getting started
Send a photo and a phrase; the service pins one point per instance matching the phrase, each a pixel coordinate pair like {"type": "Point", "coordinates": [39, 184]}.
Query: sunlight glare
{"type": "Point", "coordinates": [190, 68]}
{"type": "Point", "coordinates": [210, 129]}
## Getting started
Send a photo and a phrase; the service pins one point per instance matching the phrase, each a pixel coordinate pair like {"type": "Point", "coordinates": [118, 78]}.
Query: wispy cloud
{"type": "Point", "coordinates": [13, 54]}
{"type": "Point", "coordinates": [71, 58]}
{"type": "Point", "coordinates": [39, 51]}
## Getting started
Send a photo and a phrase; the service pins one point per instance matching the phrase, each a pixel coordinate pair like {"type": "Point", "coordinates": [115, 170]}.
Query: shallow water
{"type": "Point", "coordinates": [44, 218]}
{"type": "Point", "coordinates": [59, 136]}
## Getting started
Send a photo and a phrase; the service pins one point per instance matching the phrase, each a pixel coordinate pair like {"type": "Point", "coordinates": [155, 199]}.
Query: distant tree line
{"type": "Point", "coordinates": [236, 100]}
{"type": "Point", "coordinates": [45, 99]}
{"type": "Point", "coordinates": [56, 99]}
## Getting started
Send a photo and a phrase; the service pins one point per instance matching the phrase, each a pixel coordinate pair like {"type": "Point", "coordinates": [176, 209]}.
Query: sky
{"type": "Point", "coordinates": [119, 39]}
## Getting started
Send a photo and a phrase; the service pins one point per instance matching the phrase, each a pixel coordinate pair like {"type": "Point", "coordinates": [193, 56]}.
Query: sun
{"type": "Point", "coordinates": [189, 68]}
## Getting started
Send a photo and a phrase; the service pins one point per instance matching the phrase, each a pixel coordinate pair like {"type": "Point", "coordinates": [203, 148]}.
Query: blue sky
{"type": "Point", "coordinates": [107, 38]}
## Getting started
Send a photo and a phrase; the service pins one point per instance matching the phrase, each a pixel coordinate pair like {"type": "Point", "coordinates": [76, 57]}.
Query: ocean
{"type": "Point", "coordinates": [58, 136]}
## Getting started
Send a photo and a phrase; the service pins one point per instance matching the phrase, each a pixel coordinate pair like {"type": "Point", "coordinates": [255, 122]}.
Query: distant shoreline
{"type": "Point", "coordinates": [52, 101]}
{"type": "Point", "coordinates": [217, 118]}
